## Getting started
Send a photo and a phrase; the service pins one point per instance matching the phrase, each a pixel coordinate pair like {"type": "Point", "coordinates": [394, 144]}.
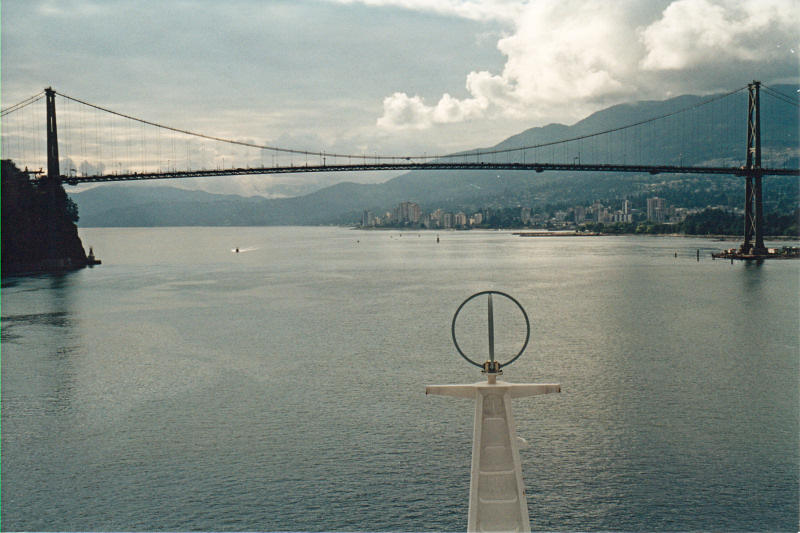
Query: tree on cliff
{"type": "Point", "coordinates": [38, 231]}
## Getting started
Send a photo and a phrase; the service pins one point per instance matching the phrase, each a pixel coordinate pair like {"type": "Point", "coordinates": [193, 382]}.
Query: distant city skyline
{"type": "Point", "coordinates": [386, 76]}
{"type": "Point", "coordinates": [411, 215]}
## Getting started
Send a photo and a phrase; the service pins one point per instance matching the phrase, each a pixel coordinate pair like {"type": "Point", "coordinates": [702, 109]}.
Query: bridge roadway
{"type": "Point", "coordinates": [409, 165]}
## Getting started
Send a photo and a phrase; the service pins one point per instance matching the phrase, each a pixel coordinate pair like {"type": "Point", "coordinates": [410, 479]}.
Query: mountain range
{"type": "Point", "coordinates": [714, 130]}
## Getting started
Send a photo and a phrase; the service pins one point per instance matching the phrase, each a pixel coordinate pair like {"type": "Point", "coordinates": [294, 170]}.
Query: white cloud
{"type": "Point", "coordinates": [401, 111]}
{"type": "Point", "coordinates": [696, 32]}
{"type": "Point", "coordinates": [567, 58]}
{"type": "Point", "coordinates": [451, 109]}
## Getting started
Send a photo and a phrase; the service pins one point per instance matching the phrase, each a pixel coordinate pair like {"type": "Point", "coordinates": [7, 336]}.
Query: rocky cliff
{"type": "Point", "coordinates": [38, 225]}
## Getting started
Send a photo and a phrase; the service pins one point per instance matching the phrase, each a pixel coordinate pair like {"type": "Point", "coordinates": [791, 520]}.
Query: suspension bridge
{"type": "Point", "coordinates": [97, 144]}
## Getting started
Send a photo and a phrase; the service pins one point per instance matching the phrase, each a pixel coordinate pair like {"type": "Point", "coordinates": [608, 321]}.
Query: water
{"type": "Point", "coordinates": [181, 386]}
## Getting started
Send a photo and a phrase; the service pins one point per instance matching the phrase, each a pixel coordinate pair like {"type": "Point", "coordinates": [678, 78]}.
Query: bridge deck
{"type": "Point", "coordinates": [409, 165]}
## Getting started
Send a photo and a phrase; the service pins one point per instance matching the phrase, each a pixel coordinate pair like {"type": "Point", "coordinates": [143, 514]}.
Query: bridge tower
{"type": "Point", "coordinates": [753, 206]}
{"type": "Point", "coordinates": [53, 172]}
{"type": "Point", "coordinates": [53, 180]}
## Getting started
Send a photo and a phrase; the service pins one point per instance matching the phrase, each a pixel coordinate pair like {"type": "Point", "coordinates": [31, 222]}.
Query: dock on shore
{"type": "Point", "coordinates": [557, 234]}
{"type": "Point", "coordinates": [786, 252]}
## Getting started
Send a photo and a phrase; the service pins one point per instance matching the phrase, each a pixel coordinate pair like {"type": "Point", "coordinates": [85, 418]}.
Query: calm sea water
{"type": "Point", "coordinates": [181, 386]}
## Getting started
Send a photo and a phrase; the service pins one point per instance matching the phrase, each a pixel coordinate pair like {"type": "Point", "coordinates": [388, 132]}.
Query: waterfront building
{"type": "Point", "coordinates": [580, 214]}
{"type": "Point", "coordinates": [407, 212]}
{"type": "Point", "coordinates": [414, 212]}
{"type": "Point", "coordinates": [367, 219]}
{"type": "Point", "coordinates": [656, 211]}
{"type": "Point", "coordinates": [447, 220]}
{"type": "Point", "coordinates": [403, 211]}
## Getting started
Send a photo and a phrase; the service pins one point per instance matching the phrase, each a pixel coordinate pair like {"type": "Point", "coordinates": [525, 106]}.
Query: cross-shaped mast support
{"type": "Point", "coordinates": [496, 491]}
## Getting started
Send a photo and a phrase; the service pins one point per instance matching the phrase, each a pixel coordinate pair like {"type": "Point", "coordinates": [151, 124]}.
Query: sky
{"type": "Point", "coordinates": [386, 76]}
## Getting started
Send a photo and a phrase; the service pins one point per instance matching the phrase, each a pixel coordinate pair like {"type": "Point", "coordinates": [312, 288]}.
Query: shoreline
{"type": "Point", "coordinates": [722, 238]}
{"type": "Point", "coordinates": [567, 233]}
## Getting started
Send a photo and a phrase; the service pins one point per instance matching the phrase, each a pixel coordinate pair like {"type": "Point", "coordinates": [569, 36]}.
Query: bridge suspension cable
{"type": "Point", "coordinates": [610, 130]}
{"type": "Point", "coordinates": [235, 142]}
{"type": "Point", "coordinates": [781, 96]}
{"type": "Point", "coordinates": [23, 103]}
{"type": "Point", "coordinates": [705, 132]}
{"type": "Point", "coordinates": [424, 157]}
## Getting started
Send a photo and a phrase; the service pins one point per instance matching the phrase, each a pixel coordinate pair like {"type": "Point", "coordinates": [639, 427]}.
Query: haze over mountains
{"type": "Point", "coordinates": [142, 204]}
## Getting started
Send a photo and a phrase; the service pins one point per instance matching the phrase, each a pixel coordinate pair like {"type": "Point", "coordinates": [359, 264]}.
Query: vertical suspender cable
{"type": "Point", "coordinates": [24, 136]}
{"type": "Point", "coordinates": [83, 139]}
{"type": "Point", "coordinates": [113, 143]}
{"type": "Point", "coordinates": [158, 151]}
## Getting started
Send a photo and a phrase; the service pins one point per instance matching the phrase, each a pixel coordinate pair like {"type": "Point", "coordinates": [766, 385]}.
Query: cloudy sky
{"type": "Point", "coordinates": [388, 76]}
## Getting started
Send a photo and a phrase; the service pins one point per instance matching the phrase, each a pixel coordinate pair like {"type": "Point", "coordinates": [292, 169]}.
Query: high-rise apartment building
{"type": "Point", "coordinates": [656, 210]}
